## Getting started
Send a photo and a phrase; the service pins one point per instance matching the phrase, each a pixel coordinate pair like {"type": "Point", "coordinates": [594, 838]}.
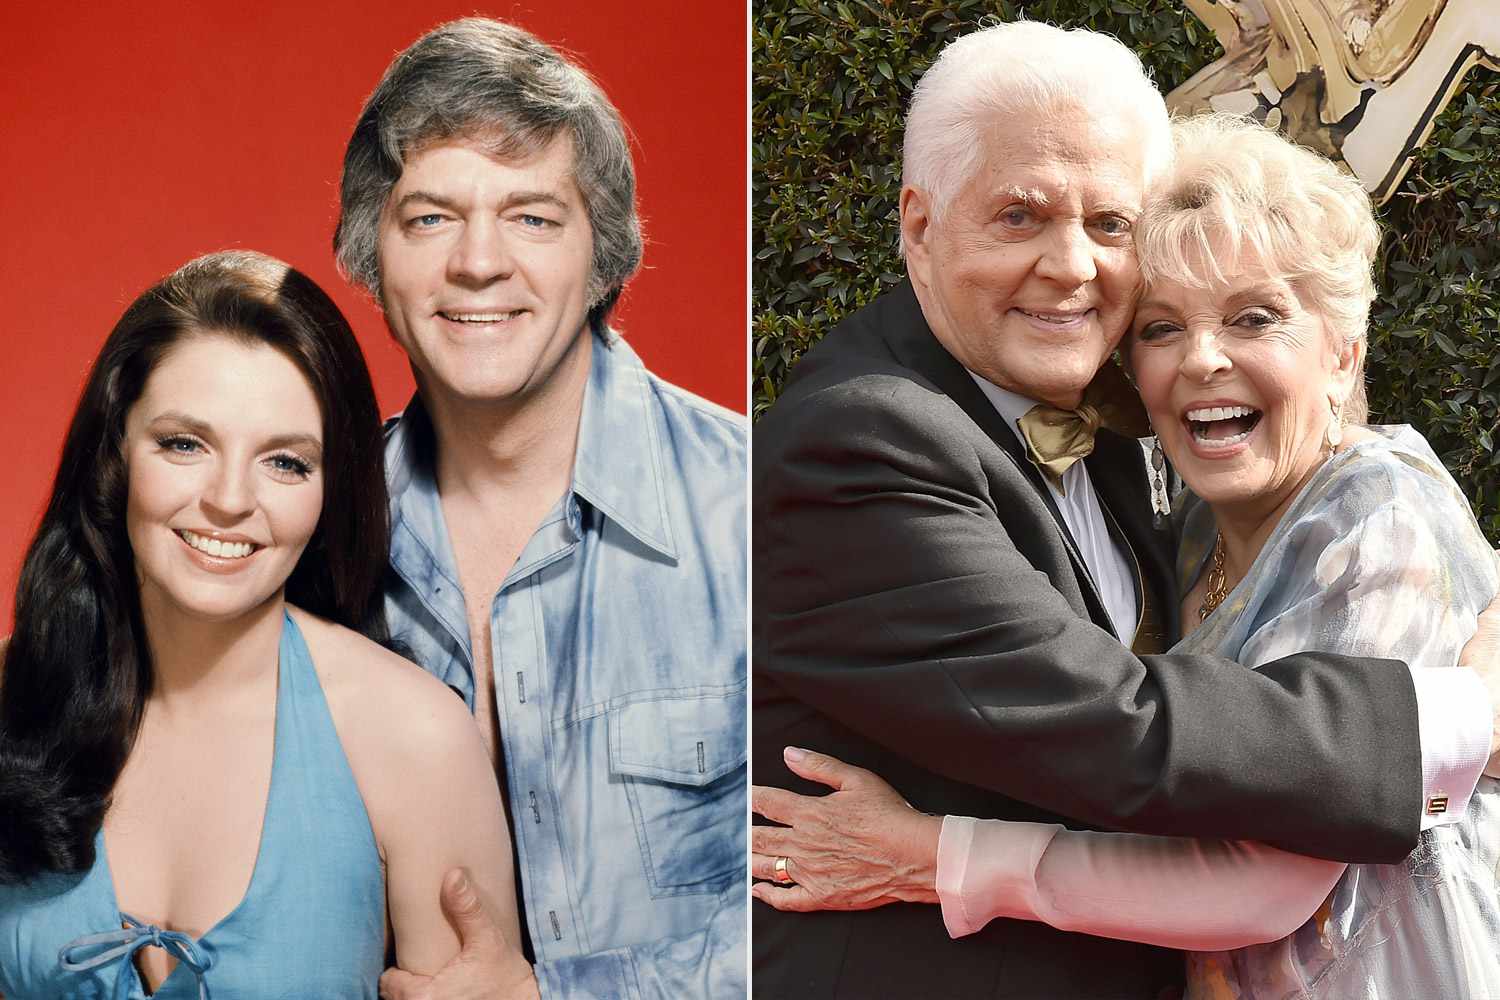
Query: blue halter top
{"type": "Point", "coordinates": [311, 923]}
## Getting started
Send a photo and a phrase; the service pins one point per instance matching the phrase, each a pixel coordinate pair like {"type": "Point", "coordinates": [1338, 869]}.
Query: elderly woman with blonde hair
{"type": "Point", "coordinates": [1302, 529]}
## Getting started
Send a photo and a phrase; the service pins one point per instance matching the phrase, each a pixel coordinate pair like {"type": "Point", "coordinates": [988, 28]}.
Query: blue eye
{"type": "Point", "coordinates": [1114, 225]}
{"type": "Point", "coordinates": [1016, 216]}
{"type": "Point", "coordinates": [289, 466]}
{"type": "Point", "coordinates": [535, 222]}
{"type": "Point", "coordinates": [426, 221]}
{"type": "Point", "coordinates": [177, 443]}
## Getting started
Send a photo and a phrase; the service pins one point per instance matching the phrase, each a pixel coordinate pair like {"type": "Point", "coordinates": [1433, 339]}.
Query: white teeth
{"type": "Point", "coordinates": [215, 547]}
{"type": "Point", "coordinates": [1219, 413]}
{"type": "Point", "coordinates": [495, 317]}
{"type": "Point", "coordinates": [1055, 317]}
{"type": "Point", "coordinates": [1204, 441]}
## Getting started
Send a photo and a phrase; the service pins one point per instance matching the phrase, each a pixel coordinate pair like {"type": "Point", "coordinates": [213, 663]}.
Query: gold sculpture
{"type": "Point", "coordinates": [1358, 80]}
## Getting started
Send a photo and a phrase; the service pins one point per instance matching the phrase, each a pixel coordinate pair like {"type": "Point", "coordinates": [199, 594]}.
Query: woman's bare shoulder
{"type": "Point", "coordinates": [427, 783]}
{"type": "Point", "coordinates": [379, 696]}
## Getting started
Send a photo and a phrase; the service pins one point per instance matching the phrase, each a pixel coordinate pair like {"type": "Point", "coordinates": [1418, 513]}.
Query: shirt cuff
{"type": "Point", "coordinates": [987, 869]}
{"type": "Point", "coordinates": [952, 859]}
{"type": "Point", "coordinates": [1454, 725]}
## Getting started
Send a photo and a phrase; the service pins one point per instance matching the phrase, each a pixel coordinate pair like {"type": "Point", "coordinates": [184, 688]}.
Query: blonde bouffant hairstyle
{"type": "Point", "coordinates": [1240, 194]}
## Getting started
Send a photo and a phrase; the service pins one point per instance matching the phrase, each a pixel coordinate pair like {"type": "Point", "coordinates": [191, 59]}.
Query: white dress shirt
{"type": "Point", "coordinates": [1109, 567]}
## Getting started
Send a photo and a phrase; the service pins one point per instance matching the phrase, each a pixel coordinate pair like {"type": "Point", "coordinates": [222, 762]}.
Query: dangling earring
{"type": "Point", "coordinates": [1161, 503]}
{"type": "Point", "coordinates": [1335, 432]}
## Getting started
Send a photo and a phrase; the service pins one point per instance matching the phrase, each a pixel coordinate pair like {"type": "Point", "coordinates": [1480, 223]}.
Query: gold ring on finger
{"type": "Point", "coordinates": [781, 877]}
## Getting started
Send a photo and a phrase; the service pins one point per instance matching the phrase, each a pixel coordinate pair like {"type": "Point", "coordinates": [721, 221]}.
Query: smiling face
{"type": "Point", "coordinates": [223, 452]}
{"type": "Point", "coordinates": [1028, 277]}
{"type": "Point", "coordinates": [484, 270]}
{"type": "Point", "coordinates": [1238, 379]}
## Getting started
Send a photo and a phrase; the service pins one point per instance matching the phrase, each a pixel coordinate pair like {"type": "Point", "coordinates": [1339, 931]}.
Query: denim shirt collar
{"type": "Point", "coordinates": [618, 468]}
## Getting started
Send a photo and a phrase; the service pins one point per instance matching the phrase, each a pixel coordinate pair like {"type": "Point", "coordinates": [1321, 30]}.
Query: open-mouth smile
{"type": "Point", "coordinates": [217, 548]}
{"type": "Point", "coordinates": [1217, 427]}
{"type": "Point", "coordinates": [481, 318]}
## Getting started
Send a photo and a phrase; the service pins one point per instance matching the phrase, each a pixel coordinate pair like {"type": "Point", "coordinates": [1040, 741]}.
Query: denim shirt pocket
{"type": "Point", "coordinates": [681, 757]}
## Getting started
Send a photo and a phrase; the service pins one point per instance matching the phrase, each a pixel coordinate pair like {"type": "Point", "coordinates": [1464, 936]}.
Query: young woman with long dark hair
{"type": "Point", "coordinates": [209, 778]}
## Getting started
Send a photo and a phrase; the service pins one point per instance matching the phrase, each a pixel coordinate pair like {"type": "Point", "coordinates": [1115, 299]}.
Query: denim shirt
{"type": "Point", "coordinates": [619, 650]}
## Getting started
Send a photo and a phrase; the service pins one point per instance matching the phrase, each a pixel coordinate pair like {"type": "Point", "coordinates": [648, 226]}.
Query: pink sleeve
{"type": "Point", "coordinates": [1200, 895]}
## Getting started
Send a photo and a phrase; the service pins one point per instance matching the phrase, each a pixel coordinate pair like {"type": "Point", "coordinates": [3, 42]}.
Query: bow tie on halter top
{"type": "Point", "coordinates": [94, 951]}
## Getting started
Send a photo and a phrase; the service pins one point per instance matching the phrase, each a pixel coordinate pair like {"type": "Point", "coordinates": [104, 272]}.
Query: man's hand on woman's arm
{"type": "Point", "coordinates": [487, 966]}
{"type": "Point", "coordinates": [858, 848]}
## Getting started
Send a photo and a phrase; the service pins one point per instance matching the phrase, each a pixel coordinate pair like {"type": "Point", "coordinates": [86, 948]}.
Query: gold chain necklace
{"type": "Point", "coordinates": [1218, 584]}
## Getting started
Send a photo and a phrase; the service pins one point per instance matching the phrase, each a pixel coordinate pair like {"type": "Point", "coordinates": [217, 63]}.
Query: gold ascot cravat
{"type": "Point", "coordinates": [1055, 439]}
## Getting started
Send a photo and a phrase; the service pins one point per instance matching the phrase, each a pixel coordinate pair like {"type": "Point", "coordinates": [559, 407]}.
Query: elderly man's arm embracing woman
{"type": "Point", "coordinates": [1311, 534]}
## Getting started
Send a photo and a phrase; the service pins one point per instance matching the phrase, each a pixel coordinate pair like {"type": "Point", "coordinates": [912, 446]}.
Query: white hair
{"type": "Point", "coordinates": [1239, 193]}
{"type": "Point", "coordinates": [1020, 68]}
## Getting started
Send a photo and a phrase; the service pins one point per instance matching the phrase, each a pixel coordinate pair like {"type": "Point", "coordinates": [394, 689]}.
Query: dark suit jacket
{"type": "Point", "coordinates": [920, 610]}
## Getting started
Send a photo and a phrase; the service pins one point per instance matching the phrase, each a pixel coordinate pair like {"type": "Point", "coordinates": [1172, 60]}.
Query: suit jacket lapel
{"type": "Point", "coordinates": [913, 344]}
{"type": "Point", "coordinates": [905, 331]}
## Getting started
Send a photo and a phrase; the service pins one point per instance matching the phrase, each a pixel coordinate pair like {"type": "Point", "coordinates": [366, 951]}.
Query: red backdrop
{"type": "Point", "coordinates": [134, 136]}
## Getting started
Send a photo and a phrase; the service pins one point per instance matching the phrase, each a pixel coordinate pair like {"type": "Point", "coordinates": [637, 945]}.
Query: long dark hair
{"type": "Point", "coordinates": [77, 671]}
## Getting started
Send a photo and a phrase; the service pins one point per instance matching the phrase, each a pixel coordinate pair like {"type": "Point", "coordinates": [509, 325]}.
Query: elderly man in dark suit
{"type": "Point", "coordinates": [946, 594]}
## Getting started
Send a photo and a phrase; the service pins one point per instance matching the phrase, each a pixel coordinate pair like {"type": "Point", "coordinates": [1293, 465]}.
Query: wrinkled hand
{"type": "Point", "coordinates": [487, 966]}
{"type": "Point", "coordinates": [1482, 654]}
{"type": "Point", "coordinates": [860, 847]}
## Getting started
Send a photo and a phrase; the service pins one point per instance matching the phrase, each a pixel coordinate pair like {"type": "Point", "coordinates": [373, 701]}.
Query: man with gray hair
{"type": "Point", "coordinates": [959, 584]}
{"type": "Point", "coordinates": [567, 547]}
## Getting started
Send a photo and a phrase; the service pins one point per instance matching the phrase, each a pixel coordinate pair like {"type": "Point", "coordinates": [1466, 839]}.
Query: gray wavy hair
{"type": "Point", "coordinates": [503, 89]}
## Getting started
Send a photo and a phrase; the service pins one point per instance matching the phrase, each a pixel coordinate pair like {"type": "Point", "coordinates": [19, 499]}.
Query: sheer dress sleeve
{"type": "Point", "coordinates": [1382, 559]}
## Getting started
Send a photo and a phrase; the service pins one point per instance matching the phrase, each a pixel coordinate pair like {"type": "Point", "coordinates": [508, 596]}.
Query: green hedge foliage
{"type": "Point", "coordinates": [831, 84]}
